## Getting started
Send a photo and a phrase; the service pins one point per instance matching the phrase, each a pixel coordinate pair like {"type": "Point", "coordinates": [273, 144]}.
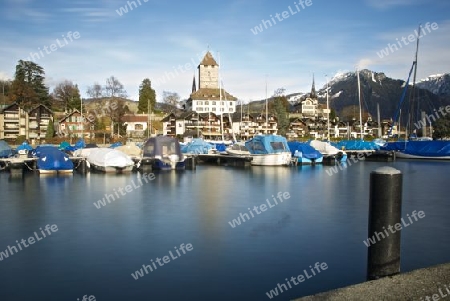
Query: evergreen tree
{"type": "Point", "coordinates": [50, 130]}
{"type": "Point", "coordinates": [28, 87]}
{"type": "Point", "coordinates": [146, 95]}
{"type": "Point", "coordinates": [282, 114]}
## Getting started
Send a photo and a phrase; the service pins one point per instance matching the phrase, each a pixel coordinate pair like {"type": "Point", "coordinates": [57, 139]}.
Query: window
{"type": "Point", "coordinates": [214, 103]}
{"type": "Point", "coordinates": [231, 109]}
{"type": "Point", "coordinates": [277, 146]}
{"type": "Point", "coordinates": [231, 103]}
{"type": "Point", "coordinates": [206, 103]}
{"type": "Point", "coordinates": [199, 103]}
{"type": "Point", "coordinates": [222, 103]}
{"type": "Point", "coordinates": [138, 127]}
{"type": "Point", "coordinates": [213, 109]}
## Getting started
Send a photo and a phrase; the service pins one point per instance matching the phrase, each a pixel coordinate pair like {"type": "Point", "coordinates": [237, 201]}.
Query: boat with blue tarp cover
{"type": "Point", "coordinates": [51, 160]}
{"type": "Point", "coordinates": [5, 150]}
{"type": "Point", "coordinates": [435, 149]}
{"type": "Point", "coordinates": [269, 150]}
{"type": "Point", "coordinates": [304, 153]}
{"type": "Point", "coordinates": [197, 146]}
{"type": "Point", "coordinates": [355, 145]}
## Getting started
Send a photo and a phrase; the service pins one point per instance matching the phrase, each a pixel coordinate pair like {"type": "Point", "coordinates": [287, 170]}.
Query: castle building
{"type": "Point", "coordinates": [210, 97]}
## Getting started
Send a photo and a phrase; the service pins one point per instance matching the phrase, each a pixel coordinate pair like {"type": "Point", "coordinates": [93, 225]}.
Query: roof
{"type": "Point", "coordinates": [38, 106]}
{"type": "Point", "coordinates": [135, 118]}
{"type": "Point", "coordinates": [86, 119]}
{"type": "Point", "coordinates": [208, 60]}
{"type": "Point", "coordinates": [211, 94]}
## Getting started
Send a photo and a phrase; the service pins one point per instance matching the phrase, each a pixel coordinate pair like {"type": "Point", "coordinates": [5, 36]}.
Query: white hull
{"type": "Point", "coordinates": [278, 159]}
{"type": "Point", "coordinates": [112, 169]}
{"type": "Point", "coordinates": [407, 156]}
{"type": "Point", "coordinates": [235, 152]}
{"type": "Point", "coordinates": [54, 172]}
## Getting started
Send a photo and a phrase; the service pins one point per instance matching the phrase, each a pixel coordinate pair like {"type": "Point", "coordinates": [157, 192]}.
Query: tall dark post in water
{"type": "Point", "coordinates": [385, 208]}
{"type": "Point", "coordinates": [190, 162]}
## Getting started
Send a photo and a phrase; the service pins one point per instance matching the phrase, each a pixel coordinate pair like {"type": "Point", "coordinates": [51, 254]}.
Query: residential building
{"type": "Point", "coordinates": [38, 121]}
{"type": "Point", "coordinates": [74, 124]}
{"type": "Point", "coordinates": [136, 125]}
{"type": "Point", "coordinates": [16, 121]}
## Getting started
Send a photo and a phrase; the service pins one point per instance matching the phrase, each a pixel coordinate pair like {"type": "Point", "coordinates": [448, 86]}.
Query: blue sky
{"type": "Point", "coordinates": [155, 37]}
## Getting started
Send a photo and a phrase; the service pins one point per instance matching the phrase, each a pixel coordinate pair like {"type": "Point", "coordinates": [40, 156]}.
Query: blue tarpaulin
{"type": "Point", "coordinates": [356, 145]}
{"type": "Point", "coordinates": [5, 150]}
{"type": "Point", "coordinates": [24, 146]}
{"type": "Point", "coordinates": [435, 148]}
{"type": "Point", "coordinates": [267, 144]}
{"type": "Point", "coordinates": [51, 158]}
{"type": "Point", "coordinates": [196, 146]}
{"type": "Point", "coordinates": [303, 150]}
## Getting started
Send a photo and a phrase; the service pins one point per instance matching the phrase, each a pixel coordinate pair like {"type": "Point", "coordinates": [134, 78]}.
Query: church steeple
{"type": "Point", "coordinates": [313, 94]}
{"type": "Point", "coordinates": [194, 86]}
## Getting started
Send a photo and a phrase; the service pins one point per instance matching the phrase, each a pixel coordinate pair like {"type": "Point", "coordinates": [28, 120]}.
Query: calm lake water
{"type": "Point", "coordinates": [95, 251]}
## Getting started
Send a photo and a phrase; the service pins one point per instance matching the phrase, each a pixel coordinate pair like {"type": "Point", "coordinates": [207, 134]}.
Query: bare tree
{"type": "Point", "coordinates": [114, 88]}
{"type": "Point", "coordinates": [68, 93]}
{"type": "Point", "coordinates": [171, 98]}
{"type": "Point", "coordinates": [95, 91]}
{"type": "Point", "coordinates": [279, 92]}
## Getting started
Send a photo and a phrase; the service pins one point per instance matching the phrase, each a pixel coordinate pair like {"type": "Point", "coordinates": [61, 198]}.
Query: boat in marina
{"type": "Point", "coordinates": [269, 150]}
{"type": "Point", "coordinates": [50, 160]}
{"type": "Point", "coordinates": [303, 153]}
{"type": "Point", "coordinates": [431, 150]}
{"type": "Point", "coordinates": [109, 160]}
{"type": "Point", "coordinates": [23, 149]}
{"type": "Point", "coordinates": [162, 153]}
{"type": "Point", "coordinates": [5, 150]}
{"type": "Point", "coordinates": [329, 151]}
{"type": "Point", "coordinates": [416, 147]}
{"type": "Point", "coordinates": [196, 146]}
{"type": "Point", "coordinates": [237, 149]}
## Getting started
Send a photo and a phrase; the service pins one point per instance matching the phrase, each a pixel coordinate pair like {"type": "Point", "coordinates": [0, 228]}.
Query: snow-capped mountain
{"type": "Point", "coordinates": [438, 84]}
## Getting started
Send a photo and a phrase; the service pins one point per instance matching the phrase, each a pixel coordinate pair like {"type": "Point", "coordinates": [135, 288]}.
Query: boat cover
{"type": "Point", "coordinates": [435, 148]}
{"type": "Point", "coordinates": [267, 144]}
{"type": "Point", "coordinates": [102, 156]}
{"type": "Point", "coordinates": [5, 150]}
{"type": "Point", "coordinates": [130, 150]}
{"type": "Point", "coordinates": [51, 158]}
{"type": "Point", "coordinates": [356, 145]}
{"type": "Point", "coordinates": [163, 146]}
{"type": "Point", "coordinates": [196, 146]}
{"type": "Point", "coordinates": [24, 146]}
{"type": "Point", "coordinates": [324, 147]}
{"type": "Point", "coordinates": [303, 150]}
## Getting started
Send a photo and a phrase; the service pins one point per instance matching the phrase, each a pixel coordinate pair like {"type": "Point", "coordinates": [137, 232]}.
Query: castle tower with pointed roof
{"type": "Point", "coordinates": [208, 72]}
{"type": "Point", "coordinates": [210, 97]}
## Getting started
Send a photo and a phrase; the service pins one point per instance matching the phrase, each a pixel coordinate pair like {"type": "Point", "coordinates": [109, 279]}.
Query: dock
{"type": "Point", "coordinates": [226, 160]}
{"type": "Point", "coordinates": [430, 283]}
{"type": "Point", "coordinates": [17, 164]}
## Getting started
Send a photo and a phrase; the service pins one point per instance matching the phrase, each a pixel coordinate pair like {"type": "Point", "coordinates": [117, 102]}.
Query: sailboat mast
{"type": "Point", "coordinates": [328, 114]}
{"type": "Point", "coordinates": [81, 118]}
{"type": "Point", "coordinates": [220, 99]}
{"type": "Point", "coordinates": [267, 111]}
{"type": "Point", "coordinates": [378, 120]}
{"type": "Point", "coordinates": [413, 91]}
{"type": "Point", "coordinates": [360, 113]}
